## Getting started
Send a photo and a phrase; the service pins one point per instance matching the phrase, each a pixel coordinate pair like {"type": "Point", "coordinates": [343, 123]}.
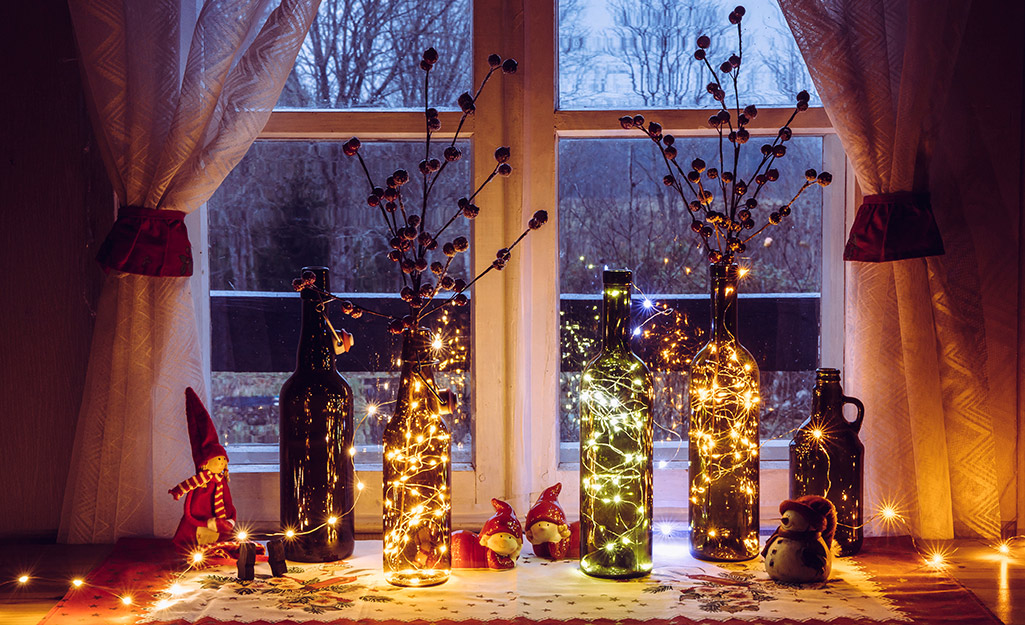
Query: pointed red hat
{"type": "Point", "coordinates": [202, 434]}
{"type": "Point", "coordinates": [547, 507]}
{"type": "Point", "coordinates": [504, 520]}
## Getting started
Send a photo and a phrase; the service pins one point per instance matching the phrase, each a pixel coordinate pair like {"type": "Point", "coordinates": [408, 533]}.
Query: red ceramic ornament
{"type": "Point", "coordinates": [547, 530]}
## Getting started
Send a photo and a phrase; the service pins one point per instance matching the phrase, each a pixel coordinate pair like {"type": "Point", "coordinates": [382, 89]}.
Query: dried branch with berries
{"type": "Point", "coordinates": [415, 231]}
{"type": "Point", "coordinates": [724, 206]}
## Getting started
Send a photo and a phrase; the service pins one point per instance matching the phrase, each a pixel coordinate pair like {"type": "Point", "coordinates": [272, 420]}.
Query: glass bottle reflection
{"type": "Point", "coordinates": [828, 459]}
{"type": "Point", "coordinates": [616, 396]}
{"type": "Point", "coordinates": [418, 473]}
{"type": "Point", "coordinates": [724, 409]}
{"type": "Point", "coordinates": [316, 470]}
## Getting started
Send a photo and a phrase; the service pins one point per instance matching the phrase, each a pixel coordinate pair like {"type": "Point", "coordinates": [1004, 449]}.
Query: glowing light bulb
{"type": "Point", "coordinates": [197, 557]}
{"type": "Point", "coordinates": [242, 535]}
{"type": "Point", "coordinates": [888, 513]}
{"type": "Point", "coordinates": [1004, 548]}
{"type": "Point", "coordinates": [331, 520]}
{"type": "Point", "coordinates": [360, 486]}
{"type": "Point", "coordinates": [127, 600]}
{"type": "Point", "coordinates": [176, 589]}
{"type": "Point", "coordinates": [936, 559]}
{"type": "Point", "coordinates": [289, 533]}
{"type": "Point", "coordinates": [436, 343]}
{"type": "Point", "coordinates": [817, 434]}
{"type": "Point", "coordinates": [743, 271]}
{"type": "Point", "coordinates": [647, 303]}
{"type": "Point", "coordinates": [23, 579]}
{"type": "Point", "coordinates": [77, 583]}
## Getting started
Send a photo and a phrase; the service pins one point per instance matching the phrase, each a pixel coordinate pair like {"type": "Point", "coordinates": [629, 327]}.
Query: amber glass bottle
{"type": "Point", "coordinates": [724, 409]}
{"type": "Point", "coordinates": [616, 396]}
{"type": "Point", "coordinates": [828, 459]}
{"type": "Point", "coordinates": [418, 474]}
{"type": "Point", "coordinates": [317, 477]}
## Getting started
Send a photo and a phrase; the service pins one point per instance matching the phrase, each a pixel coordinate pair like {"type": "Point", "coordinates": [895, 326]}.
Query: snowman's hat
{"type": "Point", "coordinates": [818, 511]}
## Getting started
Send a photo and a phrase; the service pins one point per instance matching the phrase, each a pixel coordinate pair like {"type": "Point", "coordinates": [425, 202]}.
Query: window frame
{"type": "Point", "coordinates": [515, 364]}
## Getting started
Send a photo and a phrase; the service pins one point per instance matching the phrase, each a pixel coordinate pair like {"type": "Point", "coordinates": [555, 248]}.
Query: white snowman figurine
{"type": "Point", "coordinates": [800, 550]}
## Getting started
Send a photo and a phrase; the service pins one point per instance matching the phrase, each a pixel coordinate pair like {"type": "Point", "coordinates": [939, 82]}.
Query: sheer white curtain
{"type": "Point", "coordinates": [169, 136]}
{"type": "Point", "coordinates": [922, 348]}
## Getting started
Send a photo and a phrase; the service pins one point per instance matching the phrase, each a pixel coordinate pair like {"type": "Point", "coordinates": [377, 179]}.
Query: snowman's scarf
{"type": "Point", "coordinates": [803, 536]}
{"type": "Point", "coordinates": [810, 535]}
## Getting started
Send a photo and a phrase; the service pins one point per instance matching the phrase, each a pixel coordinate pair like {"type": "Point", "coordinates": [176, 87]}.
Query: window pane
{"type": "Point", "coordinates": [635, 222]}
{"type": "Point", "coordinates": [293, 204]}
{"type": "Point", "coordinates": [640, 53]}
{"type": "Point", "coordinates": [366, 53]}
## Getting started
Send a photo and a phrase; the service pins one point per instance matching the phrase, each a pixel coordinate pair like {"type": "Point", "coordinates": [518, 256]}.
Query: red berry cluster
{"type": "Point", "coordinates": [732, 222]}
{"type": "Point", "coordinates": [413, 234]}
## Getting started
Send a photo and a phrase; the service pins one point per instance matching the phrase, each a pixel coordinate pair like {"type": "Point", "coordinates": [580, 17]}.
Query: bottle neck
{"type": "Point", "coordinates": [724, 307]}
{"type": "Point", "coordinates": [316, 340]}
{"type": "Point", "coordinates": [417, 377]}
{"type": "Point", "coordinates": [616, 317]}
{"type": "Point", "coordinates": [827, 400]}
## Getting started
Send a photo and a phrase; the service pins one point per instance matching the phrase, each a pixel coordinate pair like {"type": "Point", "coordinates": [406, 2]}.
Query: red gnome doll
{"type": "Point", "coordinates": [209, 517]}
{"type": "Point", "coordinates": [502, 537]}
{"type": "Point", "coordinates": [547, 529]}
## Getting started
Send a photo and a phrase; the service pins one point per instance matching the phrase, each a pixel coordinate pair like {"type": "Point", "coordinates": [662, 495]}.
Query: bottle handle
{"type": "Point", "coordinates": [856, 424]}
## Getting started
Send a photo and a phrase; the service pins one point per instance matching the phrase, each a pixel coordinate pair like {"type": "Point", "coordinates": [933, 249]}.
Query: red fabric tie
{"type": "Point", "coordinates": [893, 226]}
{"type": "Point", "coordinates": [148, 242]}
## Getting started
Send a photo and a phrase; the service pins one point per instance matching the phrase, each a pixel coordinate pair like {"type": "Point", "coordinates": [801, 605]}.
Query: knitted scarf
{"type": "Point", "coordinates": [200, 480]}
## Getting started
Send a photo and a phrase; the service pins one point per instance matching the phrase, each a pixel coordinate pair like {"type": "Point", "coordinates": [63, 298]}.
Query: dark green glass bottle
{"type": "Point", "coordinates": [827, 459]}
{"type": "Point", "coordinates": [317, 474]}
{"type": "Point", "coordinates": [616, 396]}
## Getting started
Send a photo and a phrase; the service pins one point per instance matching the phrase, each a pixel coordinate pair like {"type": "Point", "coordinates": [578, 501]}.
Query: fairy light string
{"type": "Point", "coordinates": [417, 465]}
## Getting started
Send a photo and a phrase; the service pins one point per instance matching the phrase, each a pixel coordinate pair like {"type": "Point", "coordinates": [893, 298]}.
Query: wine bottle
{"type": "Point", "coordinates": [317, 473]}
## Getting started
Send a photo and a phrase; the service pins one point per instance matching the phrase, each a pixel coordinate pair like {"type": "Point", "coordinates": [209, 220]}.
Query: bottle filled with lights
{"type": "Point", "coordinates": [724, 409]}
{"type": "Point", "coordinates": [418, 473]}
{"type": "Point", "coordinates": [828, 459]}
{"type": "Point", "coordinates": [316, 472]}
{"type": "Point", "coordinates": [616, 396]}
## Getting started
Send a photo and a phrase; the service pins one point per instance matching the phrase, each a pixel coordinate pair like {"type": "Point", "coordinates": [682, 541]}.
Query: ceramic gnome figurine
{"type": "Point", "coordinates": [502, 537]}
{"type": "Point", "coordinates": [209, 517]}
{"type": "Point", "coordinates": [496, 547]}
{"type": "Point", "coordinates": [547, 529]}
{"type": "Point", "coordinates": [800, 550]}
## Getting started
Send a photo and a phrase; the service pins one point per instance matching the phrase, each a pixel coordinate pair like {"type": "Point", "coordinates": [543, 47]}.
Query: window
{"type": "Point", "coordinates": [294, 200]}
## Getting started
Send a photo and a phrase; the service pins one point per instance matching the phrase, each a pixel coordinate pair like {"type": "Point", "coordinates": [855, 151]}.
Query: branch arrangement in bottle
{"type": "Point", "coordinates": [723, 205]}
{"type": "Point", "coordinates": [416, 229]}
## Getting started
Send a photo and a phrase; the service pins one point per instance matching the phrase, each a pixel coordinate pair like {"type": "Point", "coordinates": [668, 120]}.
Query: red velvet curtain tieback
{"type": "Point", "coordinates": [148, 242]}
{"type": "Point", "coordinates": [893, 226]}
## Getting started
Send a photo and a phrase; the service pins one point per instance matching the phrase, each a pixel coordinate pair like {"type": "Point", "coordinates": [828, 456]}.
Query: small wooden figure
{"type": "Point", "coordinates": [547, 529]}
{"type": "Point", "coordinates": [246, 562]}
{"type": "Point", "coordinates": [276, 557]}
{"type": "Point", "coordinates": [800, 550]}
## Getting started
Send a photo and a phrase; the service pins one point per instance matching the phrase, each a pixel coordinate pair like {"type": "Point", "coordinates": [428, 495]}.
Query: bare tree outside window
{"type": "Point", "coordinates": [365, 53]}
{"type": "Point", "coordinates": [640, 53]}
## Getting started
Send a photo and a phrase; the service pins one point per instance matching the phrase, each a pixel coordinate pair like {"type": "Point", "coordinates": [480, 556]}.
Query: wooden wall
{"type": "Point", "coordinates": [56, 205]}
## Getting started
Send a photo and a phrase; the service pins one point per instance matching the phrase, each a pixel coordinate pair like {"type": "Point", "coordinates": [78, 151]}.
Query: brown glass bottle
{"type": "Point", "coordinates": [724, 409]}
{"type": "Point", "coordinates": [317, 475]}
{"type": "Point", "coordinates": [827, 459]}
{"type": "Point", "coordinates": [418, 473]}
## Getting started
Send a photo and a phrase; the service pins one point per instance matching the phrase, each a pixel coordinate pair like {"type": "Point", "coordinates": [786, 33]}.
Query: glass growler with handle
{"type": "Point", "coordinates": [828, 459]}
